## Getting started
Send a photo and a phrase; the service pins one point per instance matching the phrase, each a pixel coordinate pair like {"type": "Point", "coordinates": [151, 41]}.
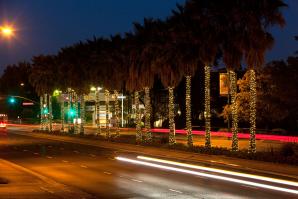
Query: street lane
{"type": "Point", "coordinates": [95, 170]}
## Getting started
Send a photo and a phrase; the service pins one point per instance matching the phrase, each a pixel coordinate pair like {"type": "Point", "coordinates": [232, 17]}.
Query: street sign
{"type": "Point", "coordinates": [27, 103]}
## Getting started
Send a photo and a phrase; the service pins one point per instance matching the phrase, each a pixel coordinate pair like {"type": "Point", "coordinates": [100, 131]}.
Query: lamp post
{"type": "Point", "coordinates": [122, 97]}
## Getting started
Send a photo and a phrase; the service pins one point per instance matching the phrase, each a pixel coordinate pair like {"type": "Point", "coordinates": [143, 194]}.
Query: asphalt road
{"type": "Point", "coordinates": [96, 171]}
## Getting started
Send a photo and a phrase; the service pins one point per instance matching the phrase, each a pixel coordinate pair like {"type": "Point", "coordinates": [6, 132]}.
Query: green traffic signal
{"type": "Point", "coordinates": [45, 111]}
{"type": "Point", "coordinates": [71, 112]}
{"type": "Point", "coordinates": [12, 100]}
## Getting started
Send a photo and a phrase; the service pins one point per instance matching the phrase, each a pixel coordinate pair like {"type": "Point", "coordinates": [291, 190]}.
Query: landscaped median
{"type": "Point", "coordinates": [214, 157]}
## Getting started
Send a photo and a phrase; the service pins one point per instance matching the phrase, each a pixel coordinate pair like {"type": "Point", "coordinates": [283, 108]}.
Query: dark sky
{"type": "Point", "coordinates": [46, 25]}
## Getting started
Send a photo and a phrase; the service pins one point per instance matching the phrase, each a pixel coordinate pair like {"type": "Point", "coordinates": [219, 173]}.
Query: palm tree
{"type": "Point", "coordinates": [132, 83]}
{"type": "Point", "coordinates": [72, 67]}
{"type": "Point", "coordinates": [199, 34]}
{"type": "Point", "coordinates": [257, 41]}
{"type": "Point", "coordinates": [168, 71]}
{"type": "Point", "coordinates": [146, 44]}
{"type": "Point", "coordinates": [42, 78]}
{"type": "Point", "coordinates": [232, 48]}
{"type": "Point", "coordinates": [187, 56]}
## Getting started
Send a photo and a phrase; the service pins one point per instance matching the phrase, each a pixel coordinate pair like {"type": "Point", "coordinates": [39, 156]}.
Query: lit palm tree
{"type": "Point", "coordinates": [42, 78]}
{"type": "Point", "coordinates": [132, 83]}
{"type": "Point", "coordinates": [257, 41]}
{"type": "Point", "coordinates": [146, 45]}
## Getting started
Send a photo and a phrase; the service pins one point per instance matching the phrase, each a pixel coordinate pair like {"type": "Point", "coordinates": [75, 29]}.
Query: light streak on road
{"type": "Point", "coordinates": [263, 178]}
{"type": "Point", "coordinates": [229, 179]}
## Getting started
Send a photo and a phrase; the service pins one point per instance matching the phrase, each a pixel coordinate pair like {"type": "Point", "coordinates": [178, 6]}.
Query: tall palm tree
{"type": "Point", "coordinates": [232, 55]}
{"type": "Point", "coordinates": [257, 41]}
{"type": "Point", "coordinates": [187, 56]}
{"type": "Point", "coordinates": [142, 68]}
{"type": "Point", "coordinates": [132, 83]}
{"type": "Point", "coordinates": [146, 45]}
{"type": "Point", "coordinates": [200, 34]}
{"type": "Point", "coordinates": [42, 78]}
{"type": "Point", "coordinates": [72, 67]}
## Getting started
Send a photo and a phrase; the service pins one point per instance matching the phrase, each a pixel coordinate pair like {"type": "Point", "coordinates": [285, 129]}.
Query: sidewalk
{"type": "Point", "coordinates": [249, 166]}
{"type": "Point", "coordinates": [19, 182]}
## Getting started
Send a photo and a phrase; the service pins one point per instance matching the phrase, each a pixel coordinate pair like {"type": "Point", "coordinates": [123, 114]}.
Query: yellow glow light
{"type": "Point", "coordinates": [7, 31]}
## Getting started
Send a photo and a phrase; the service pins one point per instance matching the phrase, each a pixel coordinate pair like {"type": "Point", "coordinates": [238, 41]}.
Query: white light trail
{"type": "Point", "coordinates": [208, 175]}
{"type": "Point", "coordinates": [268, 179]}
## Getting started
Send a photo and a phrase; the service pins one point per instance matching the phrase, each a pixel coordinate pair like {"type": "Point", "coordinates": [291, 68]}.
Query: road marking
{"type": "Point", "coordinates": [175, 190]}
{"type": "Point", "coordinates": [108, 173]}
{"type": "Point", "coordinates": [234, 165]}
{"type": "Point", "coordinates": [47, 190]}
{"type": "Point", "coordinates": [25, 150]}
{"type": "Point", "coordinates": [36, 153]}
{"type": "Point", "coordinates": [135, 180]}
{"type": "Point", "coordinates": [76, 152]}
{"type": "Point", "coordinates": [251, 187]}
{"type": "Point", "coordinates": [50, 157]}
{"type": "Point", "coordinates": [65, 161]}
{"type": "Point", "coordinates": [49, 146]}
{"type": "Point", "coordinates": [84, 166]}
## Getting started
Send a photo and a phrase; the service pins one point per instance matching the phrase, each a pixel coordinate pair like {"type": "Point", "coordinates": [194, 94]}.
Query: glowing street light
{"type": "Point", "coordinates": [7, 31]}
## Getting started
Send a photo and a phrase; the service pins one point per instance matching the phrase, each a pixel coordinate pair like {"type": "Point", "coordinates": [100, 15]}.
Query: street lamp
{"type": "Point", "coordinates": [7, 31]}
{"type": "Point", "coordinates": [122, 97]}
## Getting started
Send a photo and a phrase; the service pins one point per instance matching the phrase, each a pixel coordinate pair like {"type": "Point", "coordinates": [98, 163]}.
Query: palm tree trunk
{"type": "Point", "coordinates": [41, 114]}
{"type": "Point", "coordinates": [62, 115]}
{"type": "Point", "coordinates": [139, 137]}
{"type": "Point", "coordinates": [207, 108]}
{"type": "Point", "coordinates": [233, 88]}
{"type": "Point", "coordinates": [76, 112]}
{"type": "Point", "coordinates": [117, 112]}
{"type": "Point", "coordinates": [50, 114]}
{"type": "Point", "coordinates": [97, 112]}
{"type": "Point", "coordinates": [172, 138]}
{"type": "Point", "coordinates": [107, 98]}
{"type": "Point", "coordinates": [188, 111]}
{"type": "Point", "coordinates": [68, 110]}
{"type": "Point", "coordinates": [82, 114]}
{"type": "Point", "coordinates": [46, 114]}
{"type": "Point", "coordinates": [148, 137]}
{"type": "Point", "coordinates": [252, 110]}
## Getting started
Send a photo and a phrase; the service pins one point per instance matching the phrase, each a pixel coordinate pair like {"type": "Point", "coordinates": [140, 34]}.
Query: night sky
{"type": "Point", "coordinates": [44, 26]}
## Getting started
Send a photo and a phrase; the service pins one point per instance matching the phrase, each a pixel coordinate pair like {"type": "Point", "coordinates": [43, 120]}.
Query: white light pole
{"type": "Point", "coordinates": [122, 97]}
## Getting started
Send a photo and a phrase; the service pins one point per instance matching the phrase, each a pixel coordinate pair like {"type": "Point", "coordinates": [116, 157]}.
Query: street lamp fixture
{"type": "Point", "coordinates": [93, 88]}
{"type": "Point", "coordinates": [7, 31]}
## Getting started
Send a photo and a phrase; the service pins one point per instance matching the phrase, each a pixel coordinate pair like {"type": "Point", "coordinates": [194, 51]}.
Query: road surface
{"type": "Point", "coordinates": [96, 171]}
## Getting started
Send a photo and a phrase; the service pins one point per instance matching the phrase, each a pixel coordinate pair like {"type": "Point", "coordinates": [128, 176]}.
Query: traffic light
{"type": "Point", "coordinates": [12, 100]}
{"type": "Point", "coordinates": [45, 111]}
{"type": "Point", "coordinates": [71, 112]}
